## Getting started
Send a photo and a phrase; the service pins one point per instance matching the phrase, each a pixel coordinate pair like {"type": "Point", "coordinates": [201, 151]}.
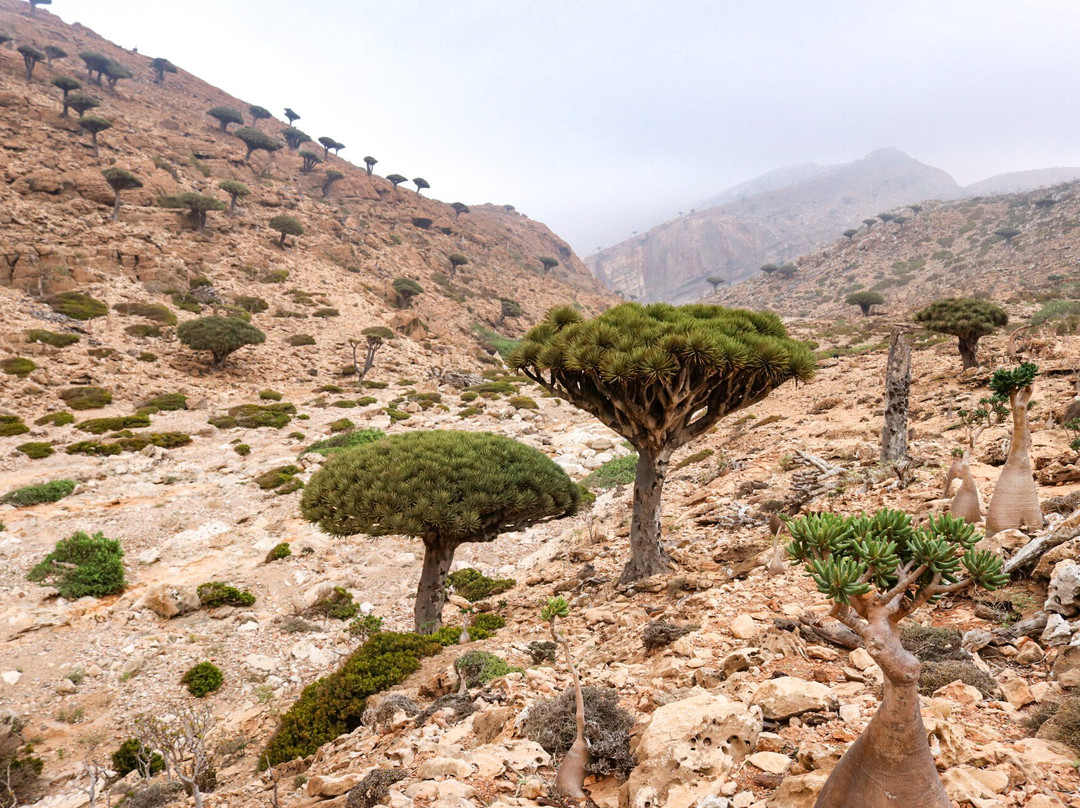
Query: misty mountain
{"type": "Point", "coordinates": [1018, 181]}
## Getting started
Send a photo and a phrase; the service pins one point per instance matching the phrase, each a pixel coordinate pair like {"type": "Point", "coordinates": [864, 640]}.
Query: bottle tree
{"type": "Point", "coordinates": [445, 488]}
{"type": "Point", "coordinates": [120, 180]}
{"type": "Point", "coordinates": [1015, 503]}
{"type": "Point", "coordinates": [865, 301]}
{"type": "Point", "coordinates": [660, 376]}
{"type": "Point", "coordinates": [877, 570]}
{"type": "Point", "coordinates": [966, 318]}
{"type": "Point", "coordinates": [716, 282]}
{"type": "Point", "coordinates": [966, 504]}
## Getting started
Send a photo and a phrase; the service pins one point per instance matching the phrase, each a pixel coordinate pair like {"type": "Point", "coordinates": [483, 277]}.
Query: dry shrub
{"type": "Point", "coordinates": [552, 724]}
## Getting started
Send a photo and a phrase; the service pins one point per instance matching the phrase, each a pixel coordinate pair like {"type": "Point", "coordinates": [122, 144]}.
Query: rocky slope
{"type": "Point", "coordinates": [770, 222]}
{"type": "Point", "coordinates": [949, 248]}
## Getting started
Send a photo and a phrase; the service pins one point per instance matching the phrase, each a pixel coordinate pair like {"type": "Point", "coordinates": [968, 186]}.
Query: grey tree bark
{"type": "Point", "coordinates": [894, 432]}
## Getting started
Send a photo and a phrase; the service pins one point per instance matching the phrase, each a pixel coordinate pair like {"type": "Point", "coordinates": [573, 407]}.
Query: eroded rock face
{"type": "Point", "coordinates": [1063, 594]}
{"type": "Point", "coordinates": [788, 696]}
{"type": "Point", "coordinates": [687, 746]}
{"type": "Point", "coordinates": [169, 601]}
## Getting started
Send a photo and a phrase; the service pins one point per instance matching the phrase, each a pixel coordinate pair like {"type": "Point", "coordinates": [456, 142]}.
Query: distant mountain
{"type": "Point", "coordinates": [773, 218]}
{"type": "Point", "coordinates": [1018, 181]}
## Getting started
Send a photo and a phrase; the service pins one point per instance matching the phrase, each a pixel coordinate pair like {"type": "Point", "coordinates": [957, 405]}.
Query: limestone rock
{"type": "Point", "coordinates": [771, 762]}
{"type": "Point", "coordinates": [743, 627]}
{"type": "Point", "coordinates": [169, 600]}
{"type": "Point", "coordinates": [799, 791]}
{"type": "Point", "coordinates": [324, 785]}
{"type": "Point", "coordinates": [687, 746]}
{"type": "Point", "coordinates": [1063, 594]}
{"type": "Point", "coordinates": [444, 767]}
{"type": "Point", "coordinates": [1057, 632]}
{"type": "Point", "coordinates": [789, 696]}
{"type": "Point", "coordinates": [1066, 670]}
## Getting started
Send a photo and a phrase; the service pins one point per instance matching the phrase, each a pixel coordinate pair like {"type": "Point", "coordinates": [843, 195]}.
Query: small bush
{"type": "Point", "coordinates": [132, 755]}
{"type": "Point", "coordinates": [480, 667]}
{"type": "Point", "coordinates": [56, 419]}
{"type": "Point", "coordinates": [94, 448]}
{"type": "Point", "coordinates": [617, 471]}
{"type": "Point", "coordinates": [338, 605]}
{"type": "Point", "coordinates": [366, 401]}
{"type": "Point", "coordinates": [255, 416]}
{"type": "Point", "coordinates": [365, 626]}
{"type": "Point", "coordinates": [11, 425]}
{"type": "Point", "coordinates": [202, 679]}
{"type": "Point", "coordinates": [473, 585]}
{"type": "Point", "coordinates": [279, 552]}
{"type": "Point", "coordinates": [341, 425]}
{"type": "Point", "coordinates": [77, 306]}
{"type": "Point", "coordinates": [270, 395]}
{"type": "Point", "coordinates": [83, 565]}
{"type": "Point", "coordinates": [143, 330]}
{"type": "Point", "coordinates": [327, 312]}
{"type": "Point", "coordinates": [35, 450]}
{"type": "Point", "coordinates": [242, 449]}
{"type": "Point", "coordinates": [155, 312]}
{"type": "Point", "coordinates": [99, 426]}
{"type": "Point", "coordinates": [221, 336]}
{"type": "Point", "coordinates": [218, 593]}
{"type": "Point", "coordinates": [276, 477]}
{"type": "Point", "coordinates": [37, 494]}
{"type": "Point", "coordinates": [334, 705]}
{"type": "Point", "coordinates": [397, 415]}
{"type": "Point", "coordinates": [485, 624]}
{"type": "Point", "coordinates": [18, 366]}
{"type": "Point", "coordinates": [297, 340]}
{"type": "Point", "coordinates": [1063, 723]}
{"type": "Point", "coordinates": [522, 403]}
{"type": "Point", "coordinates": [370, 384]}
{"type": "Point", "coordinates": [543, 651]}
{"type": "Point", "coordinates": [552, 724]}
{"type": "Point", "coordinates": [51, 338]}
{"type": "Point", "coordinates": [345, 440]}
{"type": "Point", "coordinates": [166, 402]}
{"type": "Point", "coordinates": [344, 403]}
{"type": "Point", "coordinates": [502, 387]}
{"type": "Point", "coordinates": [936, 675]}
{"type": "Point", "coordinates": [933, 644]}
{"type": "Point", "coordinates": [660, 634]}
{"type": "Point", "coordinates": [374, 789]}
{"type": "Point", "coordinates": [147, 356]}
{"type": "Point", "coordinates": [86, 398]}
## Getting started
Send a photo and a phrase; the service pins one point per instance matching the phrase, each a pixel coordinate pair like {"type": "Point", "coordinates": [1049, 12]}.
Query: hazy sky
{"type": "Point", "coordinates": [602, 116]}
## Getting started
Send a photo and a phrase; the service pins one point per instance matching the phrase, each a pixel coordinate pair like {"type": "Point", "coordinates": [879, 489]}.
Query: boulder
{"type": "Point", "coordinates": [798, 791]}
{"type": "Point", "coordinates": [788, 696]}
{"type": "Point", "coordinates": [325, 785]}
{"type": "Point", "coordinates": [1063, 594]}
{"type": "Point", "coordinates": [444, 767]}
{"type": "Point", "coordinates": [1066, 670]}
{"type": "Point", "coordinates": [743, 627]}
{"type": "Point", "coordinates": [770, 762]}
{"type": "Point", "coordinates": [169, 600]}
{"type": "Point", "coordinates": [688, 746]}
{"type": "Point", "coordinates": [1057, 631]}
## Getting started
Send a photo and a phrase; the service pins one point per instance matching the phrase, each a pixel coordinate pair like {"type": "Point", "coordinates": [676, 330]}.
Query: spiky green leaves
{"type": "Point", "coordinates": [845, 555]}
{"type": "Point", "coordinates": [963, 317]}
{"type": "Point", "coordinates": [454, 486]}
{"type": "Point", "coordinates": [1005, 382]}
{"type": "Point", "coordinates": [555, 607]}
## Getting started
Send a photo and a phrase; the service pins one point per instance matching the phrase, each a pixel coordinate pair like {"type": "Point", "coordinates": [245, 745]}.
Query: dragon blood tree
{"type": "Point", "coordinates": [966, 504]}
{"type": "Point", "coordinates": [1015, 502]}
{"type": "Point", "coordinates": [877, 570]}
{"type": "Point", "coordinates": [660, 376]}
{"type": "Point", "coordinates": [443, 487]}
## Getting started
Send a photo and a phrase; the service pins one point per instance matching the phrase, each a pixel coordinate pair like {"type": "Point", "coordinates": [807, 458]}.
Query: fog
{"type": "Point", "coordinates": [602, 116]}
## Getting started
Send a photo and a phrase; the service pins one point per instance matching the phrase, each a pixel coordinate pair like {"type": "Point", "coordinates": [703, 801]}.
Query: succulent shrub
{"type": "Point", "coordinates": [445, 488]}
{"type": "Point", "coordinates": [81, 566]}
{"type": "Point", "coordinates": [660, 376]}
{"type": "Point", "coordinates": [508, 309]}
{"type": "Point", "coordinates": [31, 56]}
{"type": "Point", "coordinates": [865, 300]}
{"type": "Point", "coordinates": [548, 263]}
{"type": "Point", "coordinates": [221, 336]}
{"type": "Point", "coordinates": [334, 704]}
{"type": "Point", "coordinates": [396, 179]}
{"type": "Point", "coordinates": [370, 163]}
{"type": "Point", "coordinates": [203, 678]}
{"type": "Point", "coordinates": [294, 138]}
{"type": "Point", "coordinates": [278, 552]}
{"type": "Point", "coordinates": [196, 205]}
{"type": "Point", "coordinates": [115, 71]}
{"type": "Point", "coordinates": [219, 593]}
{"type": "Point", "coordinates": [86, 398]}
{"type": "Point", "coordinates": [479, 667]}
{"type": "Point", "coordinates": [345, 440]}
{"type": "Point", "coordinates": [18, 366]}
{"type": "Point", "coordinates": [967, 319]}
{"type": "Point", "coordinates": [259, 113]}
{"type": "Point", "coordinates": [551, 723]}
{"type": "Point", "coordinates": [161, 66]}
{"type": "Point", "coordinates": [338, 605]}
{"type": "Point", "coordinates": [329, 178]}
{"type": "Point", "coordinates": [374, 338]}
{"type": "Point", "coordinates": [77, 305]}
{"type": "Point", "coordinates": [82, 103]}
{"type": "Point", "coordinates": [286, 226]}
{"type": "Point", "coordinates": [420, 184]}
{"type": "Point", "coordinates": [878, 569]}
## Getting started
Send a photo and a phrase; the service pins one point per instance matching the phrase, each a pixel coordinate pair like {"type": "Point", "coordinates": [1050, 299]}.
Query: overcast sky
{"type": "Point", "coordinates": [602, 116]}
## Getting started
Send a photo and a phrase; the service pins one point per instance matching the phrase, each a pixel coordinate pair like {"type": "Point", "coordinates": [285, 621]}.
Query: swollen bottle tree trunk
{"type": "Point", "coordinates": [570, 777]}
{"type": "Point", "coordinates": [1015, 503]}
{"type": "Point", "coordinates": [877, 570]}
{"type": "Point", "coordinates": [965, 504]}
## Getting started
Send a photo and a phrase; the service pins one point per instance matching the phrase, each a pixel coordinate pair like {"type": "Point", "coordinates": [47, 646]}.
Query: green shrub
{"type": "Point", "coordinates": [522, 403]}
{"type": "Point", "coordinates": [345, 440]}
{"type": "Point", "coordinates": [366, 401]}
{"type": "Point", "coordinates": [77, 306]}
{"type": "Point", "coordinates": [37, 494]}
{"type": "Point", "coordinates": [51, 338]}
{"type": "Point", "coordinates": [56, 419]}
{"type": "Point", "coordinates": [341, 425]}
{"type": "Point", "coordinates": [18, 366]}
{"type": "Point", "coordinates": [366, 626]}
{"type": "Point", "coordinates": [83, 565]}
{"type": "Point", "coordinates": [488, 621]}
{"type": "Point", "coordinates": [297, 340]}
{"type": "Point", "coordinates": [132, 755]}
{"type": "Point", "coordinates": [166, 402]}
{"type": "Point", "coordinates": [94, 448]}
{"type": "Point", "coordinates": [11, 425]}
{"type": "Point", "coordinates": [334, 705]}
{"type": "Point", "coordinates": [397, 415]}
{"type": "Point", "coordinates": [154, 312]}
{"type": "Point", "coordinates": [218, 593]}
{"type": "Point", "coordinates": [494, 342]}
{"type": "Point", "coordinates": [35, 450]}
{"type": "Point", "coordinates": [99, 426]}
{"type": "Point", "coordinates": [468, 412]}
{"type": "Point", "coordinates": [86, 398]}
{"type": "Point", "coordinates": [480, 667]}
{"type": "Point", "coordinates": [255, 416]}
{"type": "Point", "coordinates": [470, 395]}
{"type": "Point", "coordinates": [617, 471]}
{"type": "Point", "coordinates": [473, 585]}
{"type": "Point", "coordinates": [338, 605]}
{"type": "Point", "coordinates": [279, 552]}
{"type": "Point", "coordinates": [344, 403]}
{"type": "Point", "coordinates": [270, 395]}
{"type": "Point", "coordinates": [202, 679]}
{"type": "Point", "coordinates": [447, 636]}
{"type": "Point", "coordinates": [143, 330]}
{"type": "Point", "coordinates": [327, 312]}
{"type": "Point", "coordinates": [242, 449]}
{"type": "Point", "coordinates": [501, 386]}
{"type": "Point", "coordinates": [330, 388]}
{"type": "Point", "coordinates": [369, 384]}
{"type": "Point", "coordinates": [276, 477]}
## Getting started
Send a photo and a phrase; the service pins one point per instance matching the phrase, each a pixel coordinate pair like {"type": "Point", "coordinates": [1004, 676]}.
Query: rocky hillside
{"type": "Point", "coordinates": [1016, 248]}
{"type": "Point", "coordinates": [771, 220]}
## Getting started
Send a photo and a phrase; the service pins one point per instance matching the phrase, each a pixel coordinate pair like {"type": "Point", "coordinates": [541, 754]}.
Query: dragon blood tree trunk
{"type": "Point", "coordinates": [431, 593]}
{"type": "Point", "coordinates": [890, 765]}
{"type": "Point", "coordinates": [647, 556]}
{"type": "Point", "coordinates": [965, 505]}
{"type": "Point", "coordinates": [1015, 503]}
